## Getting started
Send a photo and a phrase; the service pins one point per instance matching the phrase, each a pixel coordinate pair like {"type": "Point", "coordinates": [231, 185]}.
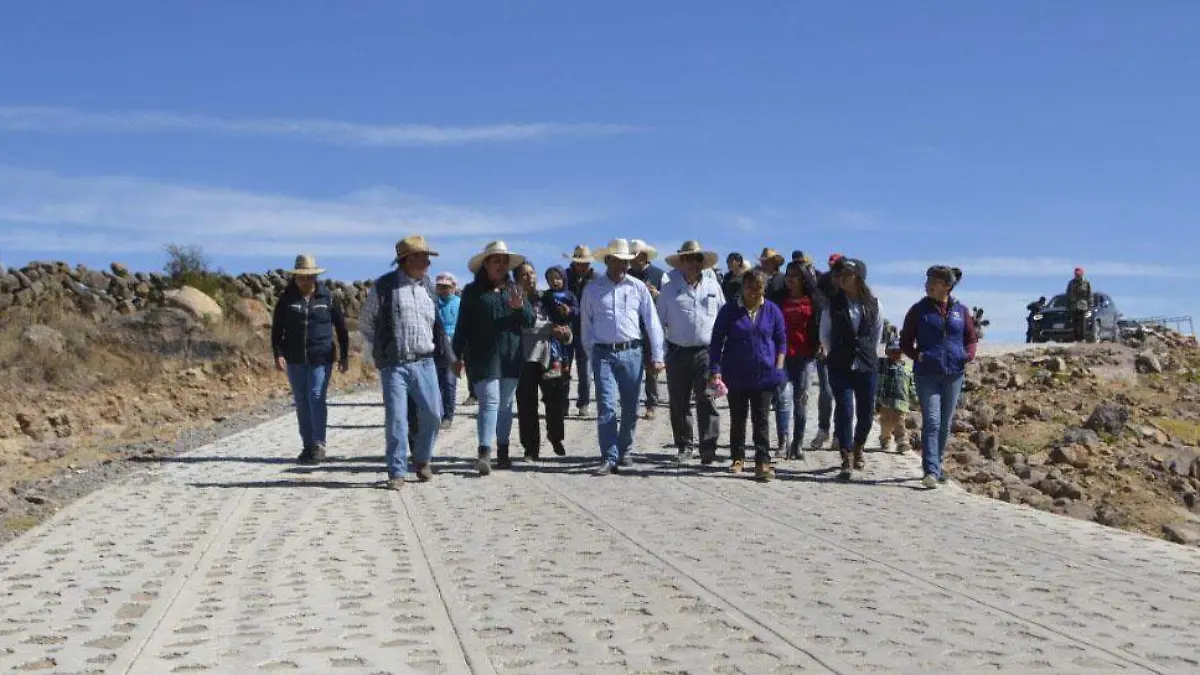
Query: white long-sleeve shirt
{"type": "Point", "coordinates": [688, 313]}
{"type": "Point", "coordinates": [856, 313]}
{"type": "Point", "coordinates": [610, 314]}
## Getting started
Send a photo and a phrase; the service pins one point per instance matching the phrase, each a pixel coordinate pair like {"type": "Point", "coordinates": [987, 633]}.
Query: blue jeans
{"type": "Point", "coordinates": [791, 411]}
{"type": "Point", "coordinates": [618, 379]}
{"type": "Point", "coordinates": [939, 399]}
{"type": "Point", "coordinates": [583, 395]}
{"type": "Point", "coordinates": [309, 384]}
{"type": "Point", "coordinates": [416, 380]}
{"type": "Point", "coordinates": [448, 384]}
{"type": "Point", "coordinates": [494, 422]}
{"type": "Point", "coordinates": [825, 397]}
{"type": "Point", "coordinates": [853, 392]}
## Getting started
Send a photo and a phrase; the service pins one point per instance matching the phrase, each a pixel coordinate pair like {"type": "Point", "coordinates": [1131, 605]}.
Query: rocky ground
{"type": "Point", "coordinates": [1100, 432]}
{"type": "Point", "coordinates": [82, 398]}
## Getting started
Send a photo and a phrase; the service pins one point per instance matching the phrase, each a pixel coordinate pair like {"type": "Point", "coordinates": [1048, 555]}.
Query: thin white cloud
{"type": "Point", "coordinates": [70, 120]}
{"type": "Point", "coordinates": [45, 212]}
{"type": "Point", "coordinates": [1040, 267]}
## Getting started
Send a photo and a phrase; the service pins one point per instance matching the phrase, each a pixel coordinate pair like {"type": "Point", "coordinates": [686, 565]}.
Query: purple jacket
{"type": "Point", "coordinates": [744, 353]}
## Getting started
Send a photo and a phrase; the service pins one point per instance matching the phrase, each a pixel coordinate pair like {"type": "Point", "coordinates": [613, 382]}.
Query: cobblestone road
{"type": "Point", "coordinates": [234, 560]}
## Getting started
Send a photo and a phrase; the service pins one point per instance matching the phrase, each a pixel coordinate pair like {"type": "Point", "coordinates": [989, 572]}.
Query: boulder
{"type": "Point", "coordinates": [984, 417]}
{"type": "Point", "coordinates": [195, 302]}
{"type": "Point", "coordinates": [1073, 455]}
{"type": "Point", "coordinates": [43, 338]}
{"type": "Point", "coordinates": [1084, 437]}
{"type": "Point", "coordinates": [1179, 533]}
{"type": "Point", "coordinates": [252, 313]}
{"type": "Point", "coordinates": [1146, 362]}
{"type": "Point", "coordinates": [1108, 418]}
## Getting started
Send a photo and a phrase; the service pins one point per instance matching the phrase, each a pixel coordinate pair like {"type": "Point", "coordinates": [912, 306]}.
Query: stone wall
{"type": "Point", "coordinates": [118, 290]}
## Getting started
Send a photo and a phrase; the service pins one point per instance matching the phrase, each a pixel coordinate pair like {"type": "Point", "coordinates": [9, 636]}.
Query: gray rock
{"type": "Point", "coordinates": [1108, 418]}
{"type": "Point", "coordinates": [1081, 510]}
{"type": "Point", "coordinates": [1146, 362]}
{"type": "Point", "coordinates": [43, 338]}
{"type": "Point", "coordinates": [1079, 436]}
{"type": "Point", "coordinates": [1182, 534]}
{"type": "Point", "coordinates": [1073, 455]}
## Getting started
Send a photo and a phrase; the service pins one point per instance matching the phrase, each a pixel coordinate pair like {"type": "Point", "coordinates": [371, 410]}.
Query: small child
{"type": "Point", "coordinates": [895, 394]}
{"type": "Point", "coordinates": [560, 307]}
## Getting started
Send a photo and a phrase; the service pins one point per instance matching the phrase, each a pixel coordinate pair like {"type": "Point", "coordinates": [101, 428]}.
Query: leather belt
{"type": "Point", "coordinates": [622, 346]}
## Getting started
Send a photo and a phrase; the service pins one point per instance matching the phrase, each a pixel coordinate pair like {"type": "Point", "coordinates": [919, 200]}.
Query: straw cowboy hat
{"type": "Point", "coordinates": [495, 248]}
{"type": "Point", "coordinates": [771, 254]}
{"type": "Point", "coordinates": [581, 254]}
{"type": "Point", "coordinates": [306, 265]}
{"type": "Point", "coordinates": [690, 247]}
{"type": "Point", "coordinates": [413, 243]}
{"type": "Point", "coordinates": [617, 248]}
{"type": "Point", "coordinates": [639, 247]}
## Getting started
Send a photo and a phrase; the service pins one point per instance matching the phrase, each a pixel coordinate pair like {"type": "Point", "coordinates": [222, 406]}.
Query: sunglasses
{"type": "Point", "coordinates": [692, 257]}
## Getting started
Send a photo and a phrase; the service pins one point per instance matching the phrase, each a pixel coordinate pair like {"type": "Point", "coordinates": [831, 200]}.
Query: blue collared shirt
{"type": "Point", "coordinates": [687, 313]}
{"type": "Point", "coordinates": [610, 314]}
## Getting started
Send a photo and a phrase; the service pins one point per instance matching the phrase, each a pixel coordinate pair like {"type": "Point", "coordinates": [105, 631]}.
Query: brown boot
{"type": "Point", "coordinates": [844, 474]}
{"type": "Point", "coordinates": [860, 462]}
{"type": "Point", "coordinates": [763, 471]}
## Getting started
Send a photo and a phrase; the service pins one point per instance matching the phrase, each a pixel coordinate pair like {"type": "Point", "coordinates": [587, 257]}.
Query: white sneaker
{"type": "Point", "coordinates": [929, 482]}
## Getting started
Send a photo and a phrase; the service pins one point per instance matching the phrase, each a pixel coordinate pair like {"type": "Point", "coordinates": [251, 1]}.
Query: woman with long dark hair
{"type": "Point", "coordinates": [491, 317]}
{"type": "Point", "coordinates": [800, 320]}
{"type": "Point", "coordinates": [851, 330]}
{"type": "Point", "coordinates": [536, 365]}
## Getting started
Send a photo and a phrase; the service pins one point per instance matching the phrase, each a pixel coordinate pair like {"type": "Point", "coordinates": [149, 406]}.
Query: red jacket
{"type": "Point", "coordinates": [800, 322]}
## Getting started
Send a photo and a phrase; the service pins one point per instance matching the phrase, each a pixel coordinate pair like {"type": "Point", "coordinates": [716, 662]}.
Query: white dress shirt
{"type": "Point", "coordinates": [688, 313]}
{"type": "Point", "coordinates": [610, 313]}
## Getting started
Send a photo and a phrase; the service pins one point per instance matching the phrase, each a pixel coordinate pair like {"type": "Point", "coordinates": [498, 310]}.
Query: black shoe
{"type": "Point", "coordinates": [625, 461]}
{"type": "Point", "coordinates": [502, 460]}
{"type": "Point", "coordinates": [483, 463]}
{"type": "Point", "coordinates": [558, 448]}
{"type": "Point", "coordinates": [305, 457]}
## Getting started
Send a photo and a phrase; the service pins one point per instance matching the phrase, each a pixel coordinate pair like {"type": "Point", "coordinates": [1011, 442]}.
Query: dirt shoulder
{"type": "Point", "coordinates": [86, 400]}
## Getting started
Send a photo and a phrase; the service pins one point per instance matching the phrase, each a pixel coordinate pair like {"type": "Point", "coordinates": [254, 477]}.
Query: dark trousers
{"type": "Point", "coordinates": [853, 395]}
{"type": "Point", "coordinates": [555, 395]}
{"type": "Point", "coordinates": [1079, 324]}
{"type": "Point", "coordinates": [758, 404]}
{"type": "Point", "coordinates": [651, 379]}
{"type": "Point", "coordinates": [583, 397]}
{"type": "Point", "coordinates": [687, 379]}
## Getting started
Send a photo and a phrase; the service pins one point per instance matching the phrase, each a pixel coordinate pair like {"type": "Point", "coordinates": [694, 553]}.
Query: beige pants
{"type": "Point", "coordinates": [891, 426]}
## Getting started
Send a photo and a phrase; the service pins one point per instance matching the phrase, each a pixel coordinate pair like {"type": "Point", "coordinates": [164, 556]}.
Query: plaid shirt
{"type": "Point", "coordinates": [896, 389]}
{"type": "Point", "coordinates": [413, 314]}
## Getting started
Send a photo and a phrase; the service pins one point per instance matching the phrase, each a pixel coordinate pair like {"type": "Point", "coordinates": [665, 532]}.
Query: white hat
{"type": "Point", "coordinates": [581, 254]}
{"type": "Point", "coordinates": [689, 247]}
{"type": "Point", "coordinates": [495, 248]}
{"type": "Point", "coordinates": [306, 265]}
{"type": "Point", "coordinates": [617, 248]}
{"type": "Point", "coordinates": [446, 279]}
{"type": "Point", "coordinates": [640, 247]}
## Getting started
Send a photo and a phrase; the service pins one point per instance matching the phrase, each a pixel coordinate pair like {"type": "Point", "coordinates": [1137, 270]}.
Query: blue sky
{"type": "Point", "coordinates": [1015, 139]}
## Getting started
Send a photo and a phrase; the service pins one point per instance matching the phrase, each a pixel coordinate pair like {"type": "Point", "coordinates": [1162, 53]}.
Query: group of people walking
{"type": "Point", "coordinates": [756, 335]}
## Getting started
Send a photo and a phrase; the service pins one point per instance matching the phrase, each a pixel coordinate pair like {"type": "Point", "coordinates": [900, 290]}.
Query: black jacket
{"type": "Point", "coordinates": [303, 329]}
{"type": "Point", "coordinates": [849, 347]}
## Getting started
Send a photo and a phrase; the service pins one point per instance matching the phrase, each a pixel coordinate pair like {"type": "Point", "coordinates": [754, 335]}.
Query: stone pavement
{"type": "Point", "coordinates": [232, 559]}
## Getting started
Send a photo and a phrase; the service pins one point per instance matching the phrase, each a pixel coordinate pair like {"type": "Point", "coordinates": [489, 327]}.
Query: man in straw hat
{"type": "Point", "coordinates": [303, 327]}
{"type": "Point", "coordinates": [614, 307]}
{"type": "Point", "coordinates": [400, 324]}
{"type": "Point", "coordinates": [654, 277]}
{"type": "Point", "coordinates": [687, 307]}
{"type": "Point", "coordinates": [579, 275]}
{"type": "Point", "coordinates": [771, 263]}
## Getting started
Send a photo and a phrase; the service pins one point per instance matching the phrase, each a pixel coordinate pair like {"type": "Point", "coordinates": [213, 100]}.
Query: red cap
{"type": "Point", "coordinates": [1078, 270]}
{"type": "Point", "coordinates": [834, 257]}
